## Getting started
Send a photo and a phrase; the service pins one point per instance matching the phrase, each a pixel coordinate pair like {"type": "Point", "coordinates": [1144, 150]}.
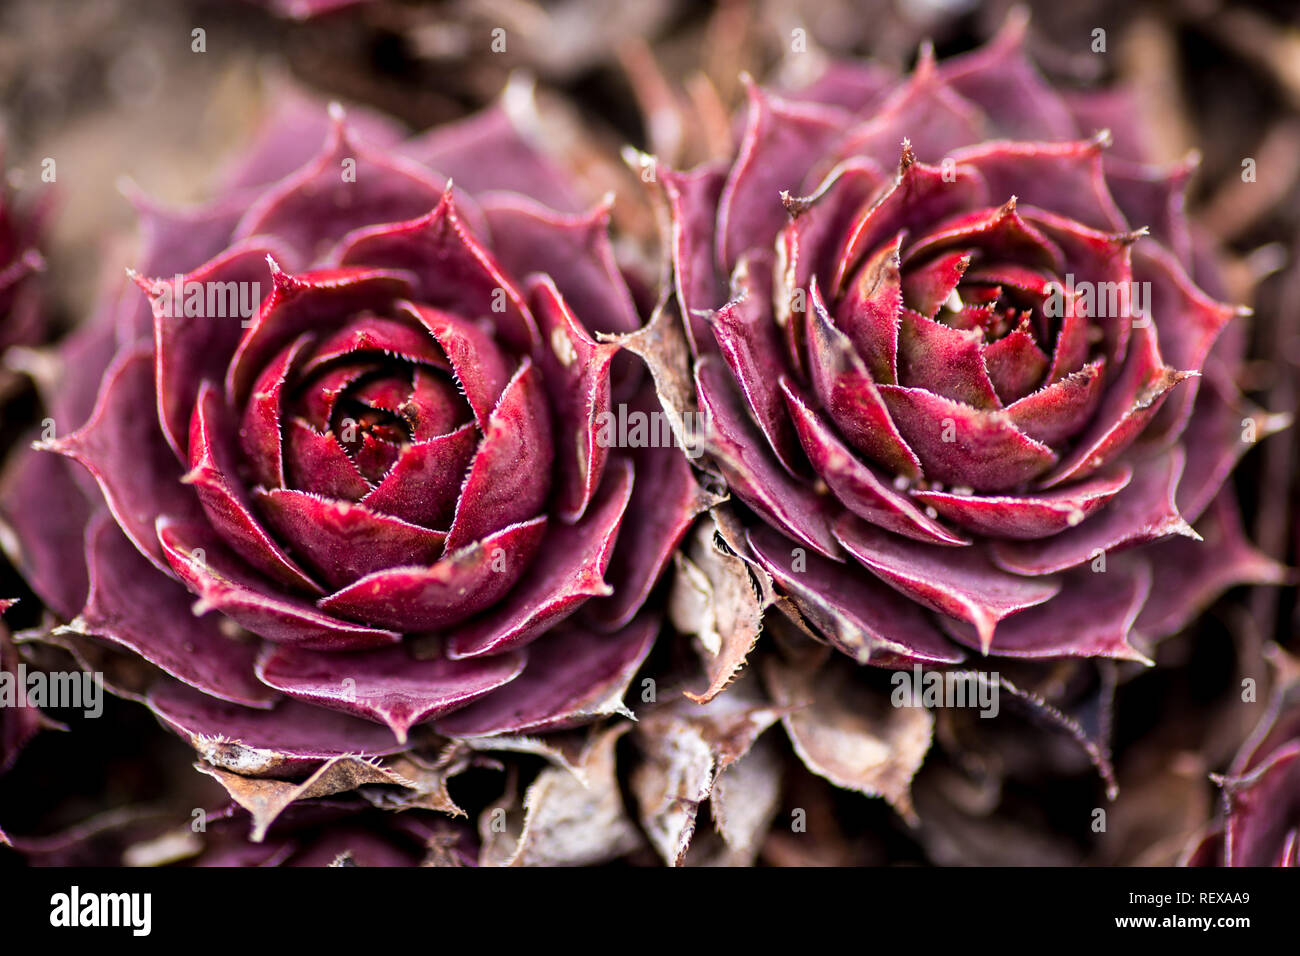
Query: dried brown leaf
{"type": "Point", "coordinates": [265, 799]}
{"type": "Point", "coordinates": [716, 598]}
{"type": "Point", "coordinates": [686, 747]}
{"type": "Point", "coordinates": [844, 732]}
{"type": "Point", "coordinates": [569, 819]}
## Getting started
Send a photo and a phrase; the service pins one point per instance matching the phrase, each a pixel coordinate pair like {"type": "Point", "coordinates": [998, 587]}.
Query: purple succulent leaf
{"type": "Point", "coordinates": [345, 540]}
{"type": "Point", "coordinates": [122, 446]}
{"type": "Point", "coordinates": [175, 240]}
{"type": "Point", "coordinates": [962, 445]}
{"type": "Point", "coordinates": [999, 78]}
{"type": "Point", "coordinates": [489, 151]}
{"type": "Point", "coordinates": [224, 499]}
{"type": "Point", "coordinates": [572, 674]}
{"type": "Point", "coordinates": [1128, 405]}
{"type": "Point", "coordinates": [748, 341]}
{"type": "Point", "coordinates": [781, 143]}
{"type": "Point", "coordinates": [301, 303]}
{"type": "Point", "coordinates": [920, 196]}
{"type": "Point", "coordinates": [1188, 322]}
{"type": "Point", "coordinates": [812, 240]}
{"type": "Point", "coordinates": [861, 616]}
{"type": "Point", "coordinates": [387, 685]}
{"type": "Point", "coordinates": [847, 393]}
{"type": "Point", "coordinates": [1190, 574]}
{"type": "Point", "coordinates": [509, 478]}
{"type": "Point", "coordinates": [43, 514]}
{"type": "Point", "coordinates": [552, 590]}
{"type": "Point", "coordinates": [1058, 411]}
{"type": "Point", "coordinates": [202, 561]}
{"type": "Point", "coordinates": [998, 234]}
{"type": "Point", "coordinates": [1102, 260]}
{"type": "Point", "coordinates": [574, 251]}
{"type": "Point", "coordinates": [1110, 108]}
{"type": "Point", "coordinates": [260, 433]}
{"type": "Point", "coordinates": [693, 201]}
{"type": "Point", "coordinates": [665, 500]}
{"type": "Point", "coordinates": [291, 739]}
{"type": "Point", "coordinates": [859, 487]}
{"type": "Point", "coordinates": [1033, 514]}
{"type": "Point", "coordinates": [191, 348]}
{"type": "Point", "coordinates": [923, 111]}
{"type": "Point", "coordinates": [291, 133]}
{"type": "Point", "coordinates": [960, 582]}
{"type": "Point", "coordinates": [315, 206]}
{"type": "Point", "coordinates": [928, 286]}
{"type": "Point", "coordinates": [1067, 178]}
{"type": "Point", "coordinates": [453, 270]}
{"type": "Point", "coordinates": [319, 465]}
{"type": "Point", "coordinates": [1257, 832]}
{"type": "Point", "coordinates": [1144, 510]}
{"type": "Point", "coordinates": [576, 370]}
{"type": "Point", "coordinates": [481, 370]}
{"type": "Point", "coordinates": [946, 361]}
{"type": "Point", "coordinates": [1155, 197]}
{"type": "Point", "coordinates": [317, 403]}
{"type": "Point", "coordinates": [89, 349]}
{"type": "Point", "coordinates": [869, 313]}
{"type": "Point", "coordinates": [132, 606]}
{"type": "Point", "coordinates": [434, 407]}
{"type": "Point", "coordinates": [849, 84]}
{"type": "Point", "coordinates": [1015, 364]}
{"type": "Point", "coordinates": [380, 336]}
{"type": "Point", "coordinates": [1092, 616]}
{"type": "Point", "coordinates": [422, 485]}
{"type": "Point", "coordinates": [447, 591]}
{"type": "Point", "coordinates": [751, 472]}
{"type": "Point", "coordinates": [1222, 428]}
{"type": "Point", "coordinates": [22, 721]}
{"type": "Point", "coordinates": [376, 457]}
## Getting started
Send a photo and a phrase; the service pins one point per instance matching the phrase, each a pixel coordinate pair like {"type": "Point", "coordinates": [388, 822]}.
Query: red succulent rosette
{"type": "Point", "coordinates": [379, 499]}
{"type": "Point", "coordinates": [950, 388]}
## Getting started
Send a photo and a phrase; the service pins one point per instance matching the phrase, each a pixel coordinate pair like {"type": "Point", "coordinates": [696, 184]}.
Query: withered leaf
{"type": "Point", "coordinates": [686, 746]}
{"type": "Point", "coordinates": [265, 799]}
{"type": "Point", "coordinates": [662, 345]}
{"type": "Point", "coordinates": [714, 598]}
{"type": "Point", "coordinates": [570, 819]}
{"type": "Point", "coordinates": [848, 734]}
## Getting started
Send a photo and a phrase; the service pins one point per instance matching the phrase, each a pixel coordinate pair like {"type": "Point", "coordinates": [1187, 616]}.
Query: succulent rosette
{"type": "Point", "coordinates": [1260, 823]}
{"type": "Point", "coordinates": [971, 352]}
{"type": "Point", "coordinates": [340, 475]}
